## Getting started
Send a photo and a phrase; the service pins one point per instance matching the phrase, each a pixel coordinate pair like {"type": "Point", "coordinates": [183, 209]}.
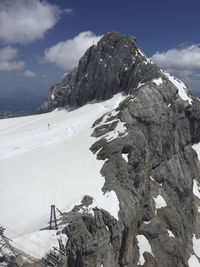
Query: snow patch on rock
{"type": "Point", "coordinates": [147, 60]}
{"type": "Point", "coordinates": [196, 245]}
{"type": "Point", "coordinates": [196, 147]}
{"type": "Point", "coordinates": [140, 84]}
{"type": "Point", "coordinates": [160, 202]}
{"type": "Point", "coordinates": [119, 131]}
{"type": "Point", "coordinates": [158, 81]}
{"type": "Point", "coordinates": [52, 95]}
{"type": "Point", "coordinates": [143, 245]}
{"type": "Point", "coordinates": [193, 261]}
{"type": "Point", "coordinates": [182, 89]}
{"type": "Point", "coordinates": [152, 179]}
{"type": "Point", "coordinates": [145, 222]}
{"type": "Point", "coordinates": [196, 189]}
{"type": "Point", "coordinates": [125, 156]}
{"type": "Point", "coordinates": [170, 233]}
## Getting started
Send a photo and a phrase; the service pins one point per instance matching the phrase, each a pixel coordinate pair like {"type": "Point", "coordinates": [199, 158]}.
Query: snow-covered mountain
{"type": "Point", "coordinates": [115, 151]}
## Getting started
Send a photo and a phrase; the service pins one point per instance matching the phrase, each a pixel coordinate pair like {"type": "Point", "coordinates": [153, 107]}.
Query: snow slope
{"type": "Point", "coordinates": [37, 244]}
{"type": "Point", "coordinates": [41, 165]}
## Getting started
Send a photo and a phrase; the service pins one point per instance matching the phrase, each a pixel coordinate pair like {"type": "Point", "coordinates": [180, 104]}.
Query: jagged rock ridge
{"type": "Point", "coordinates": [152, 168]}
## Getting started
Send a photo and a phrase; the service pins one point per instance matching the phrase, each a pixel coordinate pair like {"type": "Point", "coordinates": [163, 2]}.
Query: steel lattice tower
{"type": "Point", "coordinates": [53, 220]}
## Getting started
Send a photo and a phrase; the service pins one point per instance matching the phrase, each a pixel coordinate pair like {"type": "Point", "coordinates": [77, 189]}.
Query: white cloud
{"type": "Point", "coordinates": [7, 53]}
{"type": "Point", "coordinates": [29, 73]}
{"type": "Point", "coordinates": [7, 62]}
{"type": "Point", "coordinates": [68, 10]}
{"type": "Point", "coordinates": [66, 54]}
{"type": "Point", "coordinates": [183, 59]}
{"type": "Point", "coordinates": [24, 21]}
{"type": "Point", "coordinates": [183, 63]}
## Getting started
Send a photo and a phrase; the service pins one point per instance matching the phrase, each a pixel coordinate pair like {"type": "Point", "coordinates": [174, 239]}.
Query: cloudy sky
{"type": "Point", "coordinates": [40, 40]}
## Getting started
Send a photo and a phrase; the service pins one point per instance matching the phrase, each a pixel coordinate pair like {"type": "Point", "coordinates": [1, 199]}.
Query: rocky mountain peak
{"type": "Point", "coordinates": [115, 64]}
{"type": "Point", "coordinates": [148, 145]}
{"type": "Point", "coordinates": [113, 42]}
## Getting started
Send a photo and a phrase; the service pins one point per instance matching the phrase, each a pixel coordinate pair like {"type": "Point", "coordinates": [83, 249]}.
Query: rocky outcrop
{"type": "Point", "coordinates": [151, 166]}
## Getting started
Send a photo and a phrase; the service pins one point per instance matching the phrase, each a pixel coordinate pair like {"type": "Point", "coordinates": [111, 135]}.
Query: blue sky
{"type": "Point", "coordinates": [41, 40]}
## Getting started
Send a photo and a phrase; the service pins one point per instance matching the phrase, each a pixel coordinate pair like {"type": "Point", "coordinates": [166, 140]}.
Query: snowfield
{"type": "Point", "coordinates": [43, 165]}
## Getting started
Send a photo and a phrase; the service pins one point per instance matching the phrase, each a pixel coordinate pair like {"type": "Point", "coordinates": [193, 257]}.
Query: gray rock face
{"type": "Point", "coordinates": [160, 162]}
{"type": "Point", "coordinates": [116, 64]}
{"type": "Point", "coordinates": [151, 167]}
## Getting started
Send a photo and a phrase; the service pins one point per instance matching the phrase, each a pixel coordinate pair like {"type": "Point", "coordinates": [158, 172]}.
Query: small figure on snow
{"type": "Point", "coordinates": [48, 126]}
